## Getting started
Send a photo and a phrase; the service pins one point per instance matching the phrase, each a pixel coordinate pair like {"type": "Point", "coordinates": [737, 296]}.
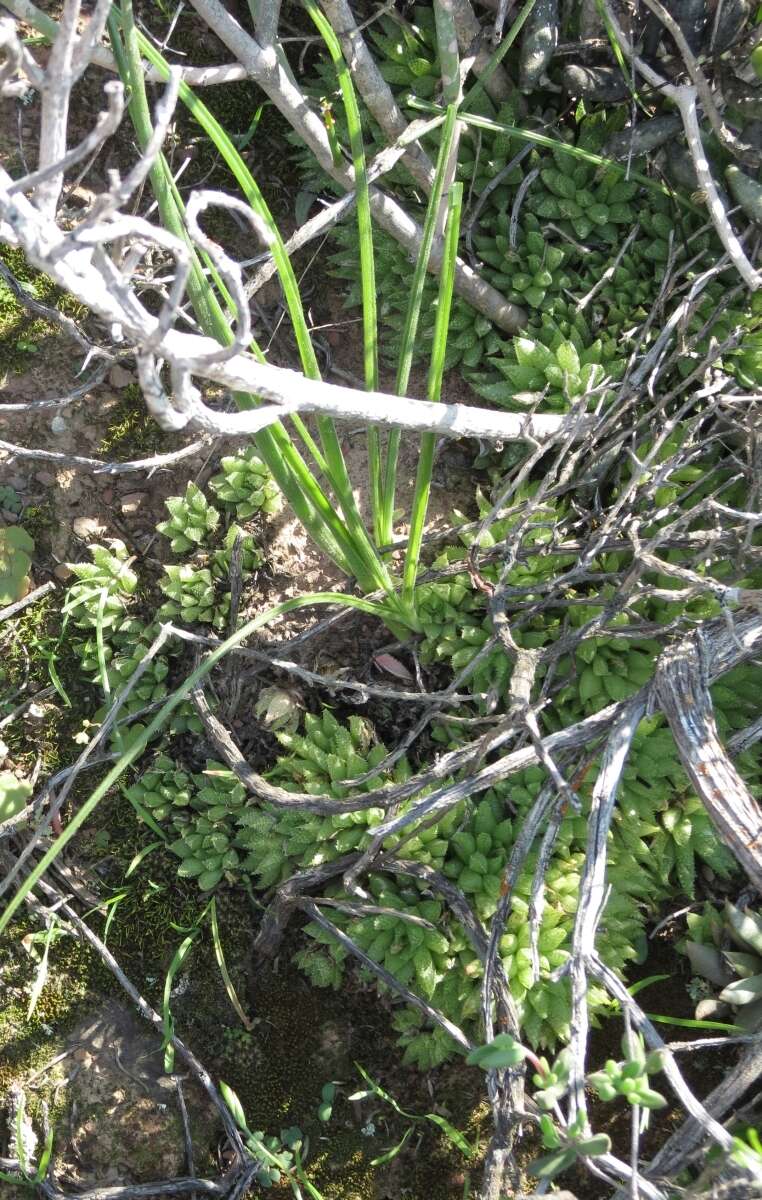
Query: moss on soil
{"type": "Point", "coordinates": [20, 330]}
{"type": "Point", "coordinates": [131, 432]}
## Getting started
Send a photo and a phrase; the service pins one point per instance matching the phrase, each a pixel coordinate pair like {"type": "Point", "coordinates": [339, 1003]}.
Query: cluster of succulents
{"type": "Point", "coordinates": [658, 820]}
{"type": "Point", "coordinates": [630, 1078]}
{"type": "Point", "coordinates": [724, 948]}
{"type": "Point", "coordinates": [573, 217]}
{"type": "Point", "coordinates": [222, 557]}
{"type": "Point", "coordinates": [474, 856]}
{"type": "Point", "coordinates": [246, 485]}
{"type": "Point", "coordinates": [317, 763]}
{"type": "Point", "coordinates": [528, 271]}
{"type": "Point", "coordinates": [195, 588]}
{"type": "Point", "coordinates": [411, 946]}
{"type": "Point", "coordinates": [115, 641]}
{"type": "Point", "coordinates": [207, 814]}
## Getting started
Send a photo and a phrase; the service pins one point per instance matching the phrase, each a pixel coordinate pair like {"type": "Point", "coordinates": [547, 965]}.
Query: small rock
{"type": "Point", "coordinates": [132, 502]}
{"type": "Point", "coordinates": [166, 1082]}
{"type": "Point", "coordinates": [58, 425]}
{"type": "Point", "coordinates": [87, 527]}
{"type": "Point", "coordinates": [62, 572]}
{"type": "Point", "coordinates": [119, 377]}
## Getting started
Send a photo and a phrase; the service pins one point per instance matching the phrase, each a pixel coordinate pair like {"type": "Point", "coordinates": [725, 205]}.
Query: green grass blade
{"type": "Point", "coordinates": [447, 46]}
{"type": "Point", "coordinates": [41, 975]}
{"type": "Point", "coordinates": [412, 316]}
{"type": "Point", "coordinates": [357, 548]}
{"type": "Point", "coordinates": [113, 905]}
{"type": "Point", "coordinates": [367, 260]}
{"type": "Point", "coordinates": [434, 392]}
{"type": "Point", "coordinates": [388, 1155]}
{"type": "Point", "coordinates": [138, 858]}
{"type": "Point", "coordinates": [180, 955]}
{"type": "Point", "coordinates": [47, 1151]}
{"type": "Point", "coordinates": [219, 954]}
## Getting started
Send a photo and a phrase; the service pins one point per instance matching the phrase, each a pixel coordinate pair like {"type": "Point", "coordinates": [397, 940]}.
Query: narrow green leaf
{"type": "Point", "coordinates": [141, 854]}
{"type": "Point", "coordinates": [220, 957]}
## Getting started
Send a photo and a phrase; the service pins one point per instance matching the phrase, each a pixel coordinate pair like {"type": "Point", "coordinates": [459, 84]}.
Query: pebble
{"type": "Point", "coordinates": [86, 527]}
{"type": "Point", "coordinates": [62, 572]}
{"type": "Point", "coordinates": [119, 377]}
{"type": "Point", "coordinates": [58, 425]}
{"type": "Point", "coordinates": [132, 502]}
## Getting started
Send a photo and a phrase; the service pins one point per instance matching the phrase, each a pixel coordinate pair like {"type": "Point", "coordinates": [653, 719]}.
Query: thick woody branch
{"type": "Point", "coordinates": [374, 89]}
{"type": "Point", "coordinates": [24, 10]}
{"type": "Point", "coordinates": [682, 691]}
{"type": "Point", "coordinates": [99, 285]}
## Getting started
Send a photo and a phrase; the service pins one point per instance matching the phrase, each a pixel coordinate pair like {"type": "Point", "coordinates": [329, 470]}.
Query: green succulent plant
{"type": "Point", "coordinates": [192, 596]}
{"type": "Point", "coordinates": [573, 218]}
{"type": "Point", "coordinates": [209, 817]}
{"type": "Point", "coordinates": [630, 1078]}
{"type": "Point", "coordinates": [101, 596]}
{"type": "Point", "coordinates": [192, 520]}
{"type": "Point", "coordinates": [246, 485]}
{"type": "Point", "coordinates": [15, 794]}
{"type": "Point", "coordinates": [531, 270]}
{"type": "Point", "coordinates": [207, 843]}
{"type": "Point", "coordinates": [659, 821]}
{"type": "Point", "coordinates": [10, 501]}
{"type": "Point", "coordinates": [251, 555]}
{"type": "Point", "coordinates": [414, 950]}
{"type": "Point", "coordinates": [725, 948]}
{"type": "Point", "coordinates": [16, 549]}
{"type": "Point", "coordinates": [162, 788]}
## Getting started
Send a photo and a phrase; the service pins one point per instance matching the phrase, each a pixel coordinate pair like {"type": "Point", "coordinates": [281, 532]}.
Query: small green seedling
{"type": "Point", "coordinates": [501, 1054]}
{"type": "Point", "coordinates": [629, 1078]}
{"type": "Point", "coordinates": [328, 1095]}
{"type": "Point", "coordinates": [566, 1146]}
